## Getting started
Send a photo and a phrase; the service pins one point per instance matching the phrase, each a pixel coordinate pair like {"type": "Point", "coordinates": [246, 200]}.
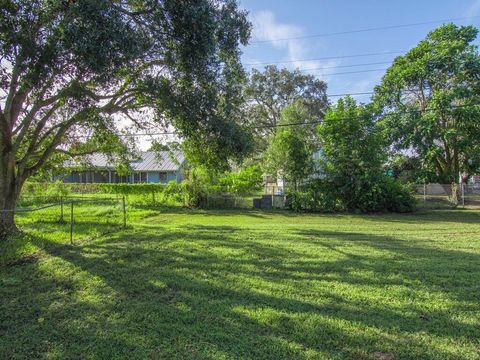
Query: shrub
{"type": "Point", "coordinates": [398, 197]}
{"type": "Point", "coordinates": [385, 194]}
{"type": "Point", "coordinates": [246, 181]}
{"type": "Point", "coordinates": [313, 196]}
{"type": "Point", "coordinates": [57, 189]}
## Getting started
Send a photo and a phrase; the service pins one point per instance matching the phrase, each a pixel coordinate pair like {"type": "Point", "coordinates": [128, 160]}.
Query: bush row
{"type": "Point", "coordinates": [60, 188]}
{"type": "Point", "coordinates": [323, 196]}
{"type": "Point", "coordinates": [191, 193]}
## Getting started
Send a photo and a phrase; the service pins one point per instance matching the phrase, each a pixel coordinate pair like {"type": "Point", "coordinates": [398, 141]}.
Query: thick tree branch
{"type": "Point", "coordinates": [73, 154]}
{"type": "Point", "coordinates": [55, 142]}
{"type": "Point", "coordinates": [12, 88]}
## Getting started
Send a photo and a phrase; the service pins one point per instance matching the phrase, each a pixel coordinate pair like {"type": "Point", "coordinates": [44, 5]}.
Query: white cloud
{"type": "Point", "coordinates": [267, 28]}
{"type": "Point", "coordinates": [473, 9]}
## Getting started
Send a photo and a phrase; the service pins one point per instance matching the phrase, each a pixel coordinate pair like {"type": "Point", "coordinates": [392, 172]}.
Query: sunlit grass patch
{"type": "Point", "coordinates": [182, 284]}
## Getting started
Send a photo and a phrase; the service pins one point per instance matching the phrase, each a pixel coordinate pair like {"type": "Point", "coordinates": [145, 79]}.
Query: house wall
{"type": "Point", "coordinates": [171, 175]}
{"type": "Point", "coordinates": [153, 177]}
{"type": "Point", "coordinates": [165, 177]}
{"type": "Point", "coordinates": [179, 176]}
{"type": "Point", "coordinates": [103, 177]}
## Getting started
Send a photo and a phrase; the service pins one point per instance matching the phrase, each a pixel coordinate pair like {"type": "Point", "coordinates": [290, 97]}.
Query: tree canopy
{"type": "Point", "coordinates": [269, 92]}
{"type": "Point", "coordinates": [70, 68]}
{"type": "Point", "coordinates": [290, 152]}
{"type": "Point", "coordinates": [353, 155]}
{"type": "Point", "coordinates": [430, 98]}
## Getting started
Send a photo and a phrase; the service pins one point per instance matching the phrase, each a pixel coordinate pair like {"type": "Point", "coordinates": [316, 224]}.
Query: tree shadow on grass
{"type": "Point", "coordinates": [255, 213]}
{"type": "Point", "coordinates": [207, 292]}
{"type": "Point", "coordinates": [460, 216]}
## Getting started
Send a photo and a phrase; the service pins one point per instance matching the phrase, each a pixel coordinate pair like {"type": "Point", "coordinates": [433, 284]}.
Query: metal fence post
{"type": "Point", "coordinates": [71, 223]}
{"type": "Point", "coordinates": [463, 194]}
{"type": "Point", "coordinates": [3, 223]}
{"type": "Point", "coordinates": [424, 192]}
{"type": "Point", "coordinates": [124, 212]}
{"type": "Point", "coordinates": [61, 209]}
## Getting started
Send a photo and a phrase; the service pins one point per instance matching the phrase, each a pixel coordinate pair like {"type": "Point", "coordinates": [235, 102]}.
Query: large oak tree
{"type": "Point", "coordinates": [430, 100]}
{"type": "Point", "coordinates": [270, 91]}
{"type": "Point", "coordinates": [69, 67]}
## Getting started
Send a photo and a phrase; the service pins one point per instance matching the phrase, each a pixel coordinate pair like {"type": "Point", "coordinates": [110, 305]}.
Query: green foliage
{"type": "Point", "coordinates": [397, 197]}
{"type": "Point", "coordinates": [269, 92]}
{"type": "Point", "coordinates": [173, 192]}
{"type": "Point", "coordinates": [354, 152]}
{"type": "Point", "coordinates": [246, 181]}
{"type": "Point", "coordinates": [386, 195]}
{"type": "Point", "coordinates": [57, 189]}
{"type": "Point", "coordinates": [290, 153]}
{"type": "Point", "coordinates": [410, 170]}
{"type": "Point", "coordinates": [312, 197]}
{"type": "Point", "coordinates": [69, 68]}
{"type": "Point", "coordinates": [130, 189]}
{"type": "Point", "coordinates": [195, 192]}
{"type": "Point", "coordinates": [430, 98]}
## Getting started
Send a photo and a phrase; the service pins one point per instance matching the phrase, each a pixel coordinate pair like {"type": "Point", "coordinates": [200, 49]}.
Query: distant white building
{"type": "Point", "coordinates": [475, 180]}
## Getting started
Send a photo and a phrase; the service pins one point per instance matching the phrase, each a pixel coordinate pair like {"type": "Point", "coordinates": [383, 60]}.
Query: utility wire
{"type": "Point", "coordinates": [452, 107]}
{"type": "Point", "coordinates": [366, 30]}
{"type": "Point", "coordinates": [173, 133]}
{"type": "Point", "coordinates": [325, 58]}
{"type": "Point", "coordinates": [352, 94]}
{"type": "Point", "coordinates": [352, 72]}
{"type": "Point", "coordinates": [347, 66]}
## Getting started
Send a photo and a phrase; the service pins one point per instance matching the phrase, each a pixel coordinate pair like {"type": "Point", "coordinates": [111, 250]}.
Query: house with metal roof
{"type": "Point", "coordinates": [149, 167]}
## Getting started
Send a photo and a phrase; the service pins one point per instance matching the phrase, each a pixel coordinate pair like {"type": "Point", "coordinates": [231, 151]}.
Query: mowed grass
{"type": "Point", "coordinates": [251, 285]}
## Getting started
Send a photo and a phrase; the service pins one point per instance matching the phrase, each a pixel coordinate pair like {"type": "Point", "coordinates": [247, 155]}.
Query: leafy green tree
{"type": "Point", "coordinates": [354, 153]}
{"type": "Point", "coordinates": [269, 92]}
{"type": "Point", "coordinates": [290, 153]}
{"type": "Point", "coordinates": [409, 169]}
{"type": "Point", "coordinates": [430, 100]}
{"type": "Point", "coordinates": [68, 69]}
{"type": "Point", "coordinates": [245, 181]}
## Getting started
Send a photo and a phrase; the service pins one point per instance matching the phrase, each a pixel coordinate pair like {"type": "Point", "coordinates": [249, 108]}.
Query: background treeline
{"type": "Point", "coordinates": [422, 124]}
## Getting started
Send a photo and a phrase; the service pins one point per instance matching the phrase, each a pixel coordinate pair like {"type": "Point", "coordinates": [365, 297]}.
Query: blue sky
{"type": "Point", "coordinates": [288, 18]}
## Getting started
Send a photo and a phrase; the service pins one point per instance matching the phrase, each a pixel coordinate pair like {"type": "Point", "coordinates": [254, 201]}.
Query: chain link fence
{"type": "Point", "coordinates": [68, 218]}
{"type": "Point", "coordinates": [440, 195]}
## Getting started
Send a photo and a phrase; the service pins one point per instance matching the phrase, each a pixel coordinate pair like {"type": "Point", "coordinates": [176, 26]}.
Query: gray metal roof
{"type": "Point", "coordinates": [149, 161]}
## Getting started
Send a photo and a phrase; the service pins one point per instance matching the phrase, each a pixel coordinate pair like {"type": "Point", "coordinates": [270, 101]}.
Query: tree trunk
{"type": "Point", "coordinates": [7, 220]}
{"type": "Point", "coordinates": [456, 194]}
{"type": "Point", "coordinates": [10, 186]}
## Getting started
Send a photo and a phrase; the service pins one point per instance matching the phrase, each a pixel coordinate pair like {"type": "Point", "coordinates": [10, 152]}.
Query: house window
{"type": "Point", "coordinates": [162, 177]}
{"type": "Point", "coordinates": [140, 177]}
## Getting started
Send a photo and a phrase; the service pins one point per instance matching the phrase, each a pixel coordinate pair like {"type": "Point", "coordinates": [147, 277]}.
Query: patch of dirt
{"type": "Point", "coordinates": [383, 355]}
{"type": "Point", "coordinates": [29, 259]}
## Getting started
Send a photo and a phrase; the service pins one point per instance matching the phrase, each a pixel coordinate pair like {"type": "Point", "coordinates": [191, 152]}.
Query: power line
{"type": "Point", "coordinates": [352, 94]}
{"type": "Point", "coordinates": [325, 58]}
{"type": "Point", "coordinates": [352, 72]}
{"type": "Point", "coordinates": [347, 66]}
{"type": "Point", "coordinates": [309, 122]}
{"type": "Point", "coordinates": [173, 133]}
{"type": "Point", "coordinates": [346, 118]}
{"type": "Point", "coordinates": [365, 30]}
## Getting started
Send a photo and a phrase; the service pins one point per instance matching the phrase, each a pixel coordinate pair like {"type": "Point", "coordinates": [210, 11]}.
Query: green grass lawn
{"type": "Point", "coordinates": [248, 285]}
